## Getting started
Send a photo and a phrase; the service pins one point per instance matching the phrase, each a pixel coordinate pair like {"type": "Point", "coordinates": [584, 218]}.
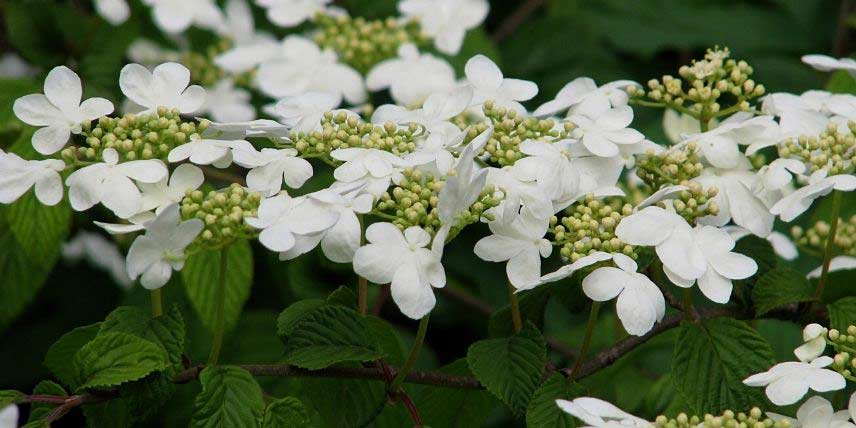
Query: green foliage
{"type": "Point", "coordinates": [112, 359]}
{"type": "Point", "coordinates": [201, 277]}
{"type": "Point", "coordinates": [842, 313]}
{"type": "Point", "coordinates": [543, 411]}
{"type": "Point", "coordinates": [167, 330]}
{"type": "Point", "coordinates": [40, 411]}
{"type": "Point", "coordinates": [286, 412]}
{"type": "Point", "coordinates": [345, 403]}
{"type": "Point", "coordinates": [60, 357]}
{"type": "Point", "coordinates": [330, 335]}
{"type": "Point", "coordinates": [711, 360]}
{"type": "Point", "coordinates": [230, 397]}
{"type": "Point", "coordinates": [532, 304]}
{"type": "Point", "coordinates": [511, 368]}
{"type": "Point", "coordinates": [451, 407]}
{"type": "Point", "coordinates": [779, 287]}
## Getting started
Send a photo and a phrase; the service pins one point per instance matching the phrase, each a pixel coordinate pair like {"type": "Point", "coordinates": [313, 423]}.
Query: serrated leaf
{"type": "Point", "coordinates": [289, 317]}
{"type": "Point", "coordinates": [230, 397]}
{"type": "Point", "coordinates": [387, 340]}
{"type": "Point", "coordinates": [286, 412]}
{"type": "Point", "coordinates": [343, 296]}
{"type": "Point", "coordinates": [201, 277]}
{"type": "Point", "coordinates": [345, 403]}
{"type": "Point", "coordinates": [166, 330]}
{"type": "Point", "coordinates": [712, 358]}
{"type": "Point", "coordinates": [330, 335]}
{"type": "Point", "coordinates": [510, 368]}
{"type": "Point", "coordinates": [779, 287]}
{"type": "Point", "coordinates": [39, 411]}
{"type": "Point", "coordinates": [146, 396]}
{"type": "Point", "coordinates": [39, 229]}
{"type": "Point", "coordinates": [543, 411]}
{"type": "Point", "coordinates": [112, 359]}
{"type": "Point", "coordinates": [60, 356]}
{"type": "Point", "coordinates": [109, 414]}
{"type": "Point", "coordinates": [10, 396]}
{"type": "Point", "coordinates": [842, 313]}
{"type": "Point", "coordinates": [453, 407]}
{"type": "Point", "coordinates": [532, 304]}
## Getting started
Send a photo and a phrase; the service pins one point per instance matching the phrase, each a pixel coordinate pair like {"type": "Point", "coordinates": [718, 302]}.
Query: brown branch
{"type": "Point", "coordinates": [510, 24]}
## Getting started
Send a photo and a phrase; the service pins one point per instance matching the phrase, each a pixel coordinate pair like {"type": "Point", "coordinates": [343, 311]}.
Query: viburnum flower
{"type": "Point", "coordinates": [804, 114]}
{"type": "Point", "coordinates": [304, 112]}
{"type": "Point", "coordinates": [13, 66]}
{"type": "Point", "coordinates": [113, 11]}
{"type": "Point", "coordinates": [723, 265]}
{"type": "Point", "coordinates": [819, 184]}
{"type": "Point", "coordinates": [340, 241]}
{"type": "Point", "coordinates": [158, 196]}
{"type": "Point", "coordinates": [598, 413]}
{"type": "Point", "coordinates": [435, 114]}
{"type": "Point", "coordinates": [249, 47]}
{"type": "Point", "coordinates": [175, 16]}
{"type": "Point", "coordinates": [640, 302]}
{"type": "Point", "coordinates": [488, 83]}
{"type": "Point", "coordinates": [739, 198]}
{"type": "Point", "coordinates": [568, 270]}
{"type": "Point", "coordinates": [602, 134]}
{"type": "Point", "coordinates": [548, 165]}
{"type": "Point", "coordinates": [788, 382]}
{"type": "Point", "coordinates": [204, 151]}
{"type": "Point", "coordinates": [59, 111]}
{"type": "Point", "coordinates": [154, 255]}
{"type": "Point", "coordinates": [463, 187]}
{"type": "Point", "coordinates": [9, 416]}
{"type": "Point", "coordinates": [446, 21]}
{"type": "Point", "coordinates": [99, 252]}
{"type": "Point", "coordinates": [376, 167]}
{"type": "Point", "coordinates": [817, 412]}
{"type": "Point", "coordinates": [19, 175]}
{"type": "Point", "coordinates": [111, 184]}
{"type": "Point", "coordinates": [677, 126]}
{"type": "Point", "coordinates": [780, 172]}
{"type": "Point", "coordinates": [281, 218]}
{"type": "Point", "coordinates": [270, 167]}
{"type": "Point", "coordinates": [721, 145]}
{"type": "Point", "coordinates": [402, 260]}
{"type": "Point", "coordinates": [302, 66]}
{"type": "Point", "coordinates": [814, 336]}
{"type": "Point", "coordinates": [534, 200]}
{"type": "Point", "coordinates": [836, 264]}
{"type": "Point", "coordinates": [518, 237]}
{"type": "Point", "coordinates": [583, 94]}
{"type": "Point", "coordinates": [291, 13]}
{"type": "Point", "coordinates": [136, 223]}
{"type": "Point", "coordinates": [828, 63]}
{"type": "Point", "coordinates": [261, 128]}
{"type": "Point", "coordinates": [412, 76]}
{"type": "Point", "coordinates": [226, 103]}
{"type": "Point", "coordinates": [165, 86]}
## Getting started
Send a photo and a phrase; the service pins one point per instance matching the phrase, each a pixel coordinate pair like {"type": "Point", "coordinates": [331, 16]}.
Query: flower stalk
{"type": "Point", "coordinates": [157, 302]}
{"type": "Point", "coordinates": [830, 244]}
{"type": "Point", "coordinates": [592, 320]}
{"type": "Point", "coordinates": [412, 357]}
{"type": "Point", "coordinates": [515, 309]}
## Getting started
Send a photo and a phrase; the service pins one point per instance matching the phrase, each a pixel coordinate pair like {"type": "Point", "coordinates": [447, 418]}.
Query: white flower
{"type": "Point", "coordinates": [113, 11]}
{"type": "Point", "coordinates": [435, 115]}
{"type": "Point", "coordinates": [19, 175]}
{"type": "Point", "coordinates": [568, 270]}
{"type": "Point", "coordinates": [720, 145]}
{"type": "Point", "coordinates": [796, 203]}
{"type": "Point", "coordinates": [9, 416]}
{"type": "Point", "coordinates": [804, 114]}
{"type": "Point", "coordinates": [136, 223]}
{"type": "Point", "coordinates": [814, 336]}
{"type": "Point", "coordinates": [462, 188]}
{"type": "Point", "coordinates": [291, 13]}
{"type": "Point", "coordinates": [340, 241]}
{"type": "Point", "coordinates": [160, 250]}
{"type": "Point", "coordinates": [788, 382]}
{"type": "Point", "coordinates": [779, 173]}
{"type": "Point", "coordinates": [534, 200]}
{"type": "Point", "coordinates": [518, 237]}
{"type": "Point", "coordinates": [412, 76]}
{"type": "Point", "coordinates": [640, 303]}
{"type": "Point", "coordinates": [603, 133]}
{"type": "Point", "coordinates": [677, 126]}
{"type": "Point", "coordinates": [377, 167]}
{"type": "Point", "coordinates": [828, 63]}
{"type": "Point", "coordinates": [250, 48]}
{"type": "Point", "coordinates": [489, 84]}
{"type": "Point", "coordinates": [13, 66]}
{"type": "Point", "coordinates": [837, 263]}
{"type": "Point", "coordinates": [302, 66]}
{"type": "Point", "coordinates": [583, 94]}
{"type": "Point", "coordinates": [175, 16]}
{"type": "Point", "coordinates": [260, 128]}
{"type": "Point", "coordinates": [203, 151]}
{"type": "Point", "coordinates": [672, 237]}
{"type": "Point", "coordinates": [817, 412]}
{"type": "Point", "coordinates": [723, 265]}
{"type": "Point", "coordinates": [782, 245]}
{"type": "Point", "coordinates": [547, 165]}
{"type": "Point", "coordinates": [59, 111]}
{"type": "Point", "coordinates": [226, 103]}
{"type": "Point", "coordinates": [403, 261]}
{"type": "Point", "coordinates": [740, 198]}
{"type": "Point", "coordinates": [271, 167]}
{"type": "Point", "coordinates": [157, 196]}
{"type": "Point", "coordinates": [304, 112]}
{"type": "Point", "coordinates": [165, 86]}
{"type": "Point", "coordinates": [598, 413]}
{"type": "Point", "coordinates": [446, 21]}
{"type": "Point", "coordinates": [283, 219]}
{"type": "Point", "coordinates": [110, 183]}
{"type": "Point", "coordinates": [99, 252]}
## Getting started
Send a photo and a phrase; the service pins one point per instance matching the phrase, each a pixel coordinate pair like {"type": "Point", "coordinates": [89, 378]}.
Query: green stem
{"type": "Point", "coordinates": [830, 244]}
{"type": "Point", "coordinates": [592, 320]}
{"type": "Point", "coordinates": [704, 123]}
{"type": "Point", "coordinates": [220, 321]}
{"type": "Point", "coordinates": [157, 302]}
{"type": "Point", "coordinates": [414, 354]}
{"type": "Point", "coordinates": [689, 309]}
{"type": "Point", "coordinates": [515, 309]}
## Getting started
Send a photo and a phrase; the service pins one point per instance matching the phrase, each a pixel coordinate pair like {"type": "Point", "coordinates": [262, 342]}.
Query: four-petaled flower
{"type": "Point", "coordinates": [446, 21]}
{"type": "Point", "coordinates": [270, 167]}
{"type": "Point", "coordinates": [788, 382]}
{"type": "Point", "coordinates": [154, 255]}
{"type": "Point", "coordinates": [489, 84]}
{"type": "Point", "coordinates": [19, 175]}
{"type": "Point", "coordinates": [165, 86]}
{"type": "Point", "coordinates": [157, 196]}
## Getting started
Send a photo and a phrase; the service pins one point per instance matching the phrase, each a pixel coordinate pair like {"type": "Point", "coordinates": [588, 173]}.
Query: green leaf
{"type": "Point", "coordinates": [115, 358]}
{"type": "Point", "coordinates": [712, 358]}
{"type": "Point", "coordinates": [760, 250]}
{"type": "Point", "coordinates": [201, 277]}
{"type": "Point", "coordinates": [286, 412]}
{"type": "Point", "coordinates": [40, 411]}
{"type": "Point", "coordinates": [34, 36]}
{"type": "Point", "coordinates": [842, 313]}
{"type": "Point", "coordinates": [330, 335]}
{"type": "Point", "coordinates": [543, 411]}
{"type": "Point", "coordinates": [343, 296]}
{"type": "Point", "coordinates": [532, 304]}
{"type": "Point", "coordinates": [38, 228]}
{"type": "Point", "coordinates": [60, 357]}
{"type": "Point", "coordinates": [10, 396]}
{"type": "Point", "coordinates": [345, 403]}
{"type": "Point", "coordinates": [511, 368]}
{"type": "Point", "coordinates": [454, 407]}
{"type": "Point", "coordinates": [109, 414]}
{"type": "Point", "coordinates": [230, 397]}
{"type": "Point", "coordinates": [387, 340]}
{"type": "Point", "coordinates": [778, 287]}
{"type": "Point", "coordinates": [167, 330]}
{"type": "Point", "coordinates": [840, 82]}
{"type": "Point", "coordinates": [288, 318]}
{"type": "Point", "coordinates": [10, 90]}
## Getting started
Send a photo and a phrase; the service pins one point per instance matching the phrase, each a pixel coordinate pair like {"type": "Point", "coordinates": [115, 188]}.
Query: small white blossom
{"type": "Point", "coordinates": [270, 167]}
{"type": "Point", "coordinates": [154, 255]}
{"type": "Point", "coordinates": [412, 76]}
{"type": "Point", "coordinates": [304, 112]}
{"type": "Point", "coordinates": [100, 252]}
{"type": "Point", "coordinates": [284, 219]}
{"type": "Point", "coordinates": [226, 103]}
{"type": "Point", "coordinates": [597, 413]}
{"type": "Point", "coordinates": [13, 66]}
{"type": "Point", "coordinates": [723, 265]}
{"type": "Point", "coordinates": [797, 202]}
{"type": "Point", "coordinates": [583, 94]}
{"type": "Point", "coordinates": [721, 145]}
{"type": "Point", "coordinates": [547, 165]}
{"type": "Point", "coordinates": [203, 151]}
{"type": "Point", "coordinates": [249, 47]}
{"type": "Point", "coordinates": [836, 264]}
{"type": "Point", "coordinates": [788, 382]}
{"type": "Point", "coordinates": [291, 13]}
{"type": "Point", "coordinates": [113, 11]}
{"type": "Point", "coordinates": [817, 412]}
{"type": "Point", "coordinates": [135, 223]}
{"type": "Point", "coordinates": [779, 173]}
{"type": "Point", "coordinates": [535, 201]}
{"type": "Point", "coordinates": [176, 16]}
{"type": "Point", "coordinates": [740, 198]}
{"type": "Point", "coordinates": [602, 134]}
{"type": "Point", "coordinates": [446, 21]}
{"type": "Point", "coordinates": [158, 196]}
{"type": "Point", "coordinates": [435, 114]}
{"type": "Point", "coordinates": [19, 175]}
{"type": "Point", "coordinates": [377, 168]}
{"type": "Point", "coordinates": [59, 111]}
{"type": "Point", "coordinates": [165, 86]}
{"type": "Point", "coordinates": [814, 336]}
{"type": "Point", "coordinates": [828, 63]}
{"type": "Point", "coordinates": [489, 84]}
{"type": "Point", "coordinates": [9, 416]}
{"type": "Point", "coordinates": [341, 241]}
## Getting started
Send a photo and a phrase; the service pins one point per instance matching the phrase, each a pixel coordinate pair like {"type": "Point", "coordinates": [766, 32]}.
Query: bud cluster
{"type": "Point", "coordinates": [589, 226]}
{"type": "Point", "coordinates": [716, 84]}
{"type": "Point", "coordinates": [844, 343]}
{"type": "Point", "coordinates": [694, 203]}
{"type": "Point", "coordinates": [510, 129]}
{"type": "Point", "coordinates": [362, 43]}
{"type": "Point", "coordinates": [144, 136]}
{"type": "Point", "coordinates": [341, 130]}
{"type": "Point", "coordinates": [816, 236]}
{"type": "Point", "coordinates": [832, 150]}
{"type": "Point", "coordinates": [677, 164]}
{"type": "Point", "coordinates": [728, 419]}
{"type": "Point", "coordinates": [223, 212]}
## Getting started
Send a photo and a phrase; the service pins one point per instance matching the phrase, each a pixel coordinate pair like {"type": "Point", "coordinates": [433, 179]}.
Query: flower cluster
{"type": "Point", "coordinates": [223, 213]}
{"type": "Point", "coordinates": [589, 227]}
{"type": "Point", "coordinates": [728, 419]}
